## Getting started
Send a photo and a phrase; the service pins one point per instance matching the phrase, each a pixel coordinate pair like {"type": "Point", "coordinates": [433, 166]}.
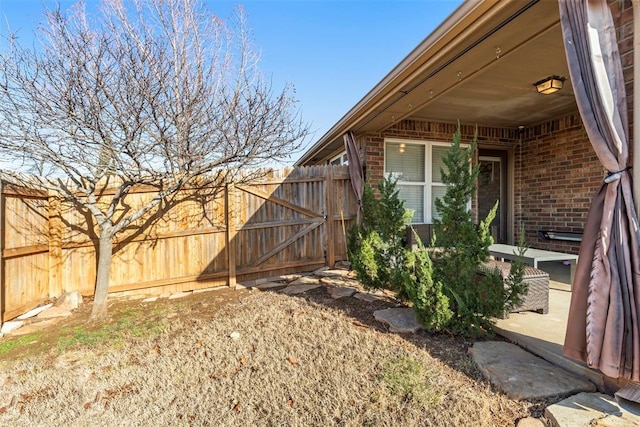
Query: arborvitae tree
{"type": "Point", "coordinates": [429, 301]}
{"type": "Point", "coordinates": [456, 231]}
{"type": "Point", "coordinates": [475, 299]}
{"type": "Point", "coordinates": [381, 261]}
{"type": "Point", "coordinates": [376, 247]}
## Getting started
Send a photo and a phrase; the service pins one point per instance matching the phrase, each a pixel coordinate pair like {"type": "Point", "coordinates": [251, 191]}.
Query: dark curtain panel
{"type": "Point", "coordinates": [355, 169]}
{"type": "Point", "coordinates": [603, 325]}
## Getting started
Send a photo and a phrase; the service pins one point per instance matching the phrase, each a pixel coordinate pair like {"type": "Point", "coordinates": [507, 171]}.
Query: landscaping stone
{"type": "Point", "coordinates": [151, 299]}
{"type": "Point", "coordinates": [320, 270]}
{"type": "Point", "coordinates": [306, 280]}
{"type": "Point", "coordinates": [530, 422]}
{"type": "Point", "coordinates": [339, 281]}
{"type": "Point", "coordinates": [164, 295]}
{"type": "Point", "coordinates": [591, 409]}
{"type": "Point", "coordinates": [351, 282]}
{"type": "Point", "coordinates": [179, 295]}
{"type": "Point", "coordinates": [332, 281]}
{"type": "Point", "coordinates": [298, 289]}
{"type": "Point", "coordinates": [402, 320]}
{"type": "Point", "coordinates": [69, 300]}
{"type": "Point", "coordinates": [270, 285]}
{"type": "Point", "coordinates": [33, 327]}
{"type": "Point", "coordinates": [134, 297]}
{"type": "Point", "coordinates": [338, 292]}
{"type": "Point", "coordinates": [54, 312]}
{"type": "Point", "coordinates": [285, 277]}
{"type": "Point", "coordinates": [523, 376]}
{"type": "Point", "coordinates": [11, 326]}
{"type": "Point", "coordinates": [365, 296]}
{"type": "Point", "coordinates": [248, 284]}
{"type": "Point", "coordinates": [34, 312]}
{"type": "Point", "coordinates": [214, 288]}
{"type": "Point", "coordinates": [333, 273]}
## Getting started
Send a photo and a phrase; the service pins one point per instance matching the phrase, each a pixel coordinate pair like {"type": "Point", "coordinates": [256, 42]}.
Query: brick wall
{"type": "Point", "coordinates": [556, 170]}
{"type": "Point", "coordinates": [622, 13]}
{"type": "Point", "coordinates": [428, 131]}
{"type": "Point", "coordinates": [557, 173]}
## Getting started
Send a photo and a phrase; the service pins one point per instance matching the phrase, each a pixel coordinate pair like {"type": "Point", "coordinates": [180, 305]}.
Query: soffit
{"type": "Point", "coordinates": [492, 83]}
{"type": "Point", "coordinates": [481, 73]}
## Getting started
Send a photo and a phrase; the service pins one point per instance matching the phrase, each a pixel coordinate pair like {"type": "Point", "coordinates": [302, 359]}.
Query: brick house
{"type": "Point", "coordinates": [479, 67]}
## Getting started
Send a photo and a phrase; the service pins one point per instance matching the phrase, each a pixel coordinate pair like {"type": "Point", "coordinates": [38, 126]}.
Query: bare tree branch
{"type": "Point", "coordinates": [150, 92]}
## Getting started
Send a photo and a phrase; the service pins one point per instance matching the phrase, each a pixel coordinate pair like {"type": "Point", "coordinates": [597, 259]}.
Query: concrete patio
{"type": "Point", "coordinates": [543, 334]}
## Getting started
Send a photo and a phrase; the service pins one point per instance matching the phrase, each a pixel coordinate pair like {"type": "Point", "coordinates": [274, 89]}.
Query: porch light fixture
{"type": "Point", "coordinates": [549, 85]}
{"type": "Point", "coordinates": [401, 149]}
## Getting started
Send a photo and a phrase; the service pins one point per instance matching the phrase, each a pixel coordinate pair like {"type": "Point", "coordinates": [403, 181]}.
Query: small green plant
{"type": "Point", "coordinates": [380, 259]}
{"type": "Point", "coordinates": [514, 285]}
{"type": "Point", "coordinates": [79, 336]}
{"type": "Point", "coordinates": [13, 343]}
{"type": "Point", "coordinates": [375, 247]}
{"type": "Point", "coordinates": [408, 379]}
{"type": "Point", "coordinates": [429, 301]}
{"type": "Point", "coordinates": [127, 325]}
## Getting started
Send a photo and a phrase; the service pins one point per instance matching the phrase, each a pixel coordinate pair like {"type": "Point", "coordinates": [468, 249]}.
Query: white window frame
{"type": "Point", "coordinates": [428, 184]}
{"type": "Point", "coordinates": [340, 159]}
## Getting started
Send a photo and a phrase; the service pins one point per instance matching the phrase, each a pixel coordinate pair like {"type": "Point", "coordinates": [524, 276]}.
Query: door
{"type": "Point", "coordinates": [492, 188]}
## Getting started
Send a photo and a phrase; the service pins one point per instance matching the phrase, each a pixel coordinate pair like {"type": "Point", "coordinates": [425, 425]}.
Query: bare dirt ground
{"type": "Point", "coordinates": [240, 358]}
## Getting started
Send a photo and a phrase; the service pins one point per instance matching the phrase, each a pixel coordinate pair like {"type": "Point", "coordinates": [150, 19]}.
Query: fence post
{"type": "Point", "coordinates": [330, 207]}
{"type": "Point", "coordinates": [55, 245]}
{"type": "Point", "coordinates": [229, 217]}
{"type": "Point", "coordinates": [2, 233]}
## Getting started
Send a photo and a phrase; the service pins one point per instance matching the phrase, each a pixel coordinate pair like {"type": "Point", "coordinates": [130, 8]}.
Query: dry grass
{"type": "Point", "coordinates": [298, 361]}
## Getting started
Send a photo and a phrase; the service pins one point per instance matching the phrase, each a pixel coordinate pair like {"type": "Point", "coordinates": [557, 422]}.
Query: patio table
{"type": "Point", "coordinates": [532, 256]}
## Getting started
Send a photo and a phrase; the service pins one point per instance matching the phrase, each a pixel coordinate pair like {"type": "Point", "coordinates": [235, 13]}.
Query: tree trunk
{"type": "Point", "coordinates": [105, 249]}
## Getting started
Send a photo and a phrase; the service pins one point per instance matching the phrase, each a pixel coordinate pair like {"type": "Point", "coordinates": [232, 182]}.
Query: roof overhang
{"type": "Point", "coordinates": [477, 67]}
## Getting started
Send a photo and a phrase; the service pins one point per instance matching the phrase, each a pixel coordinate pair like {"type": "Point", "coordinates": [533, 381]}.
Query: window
{"type": "Point", "coordinates": [339, 160]}
{"type": "Point", "coordinates": [416, 165]}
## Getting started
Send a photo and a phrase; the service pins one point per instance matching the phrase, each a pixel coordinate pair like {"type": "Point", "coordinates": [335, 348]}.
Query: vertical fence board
{"type": "Point", "coordinates": [231, 234]}
{"type": "Point", "coordinates": [56, 230]}
{"type": "Point", "coordinates": [330, 203]}
{"type": "Point", "coordinates": [25, 257]}
{"type": "Point", "coordinates": [2, 266]}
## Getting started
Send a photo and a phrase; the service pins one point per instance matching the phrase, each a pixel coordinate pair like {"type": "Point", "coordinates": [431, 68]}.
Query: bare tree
{"type": "Point", "coordinates": [149, 92]}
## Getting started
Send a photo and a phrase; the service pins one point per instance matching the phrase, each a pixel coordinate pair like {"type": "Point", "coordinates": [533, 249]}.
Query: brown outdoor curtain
{"type": "Point", "coordinates": [355, 170]}
{"type": "Point", "coordinates": [603, 327]}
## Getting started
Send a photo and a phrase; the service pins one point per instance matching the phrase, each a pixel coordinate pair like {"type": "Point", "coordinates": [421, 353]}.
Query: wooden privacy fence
{"type": "Point", "coordinates": [289, 221]}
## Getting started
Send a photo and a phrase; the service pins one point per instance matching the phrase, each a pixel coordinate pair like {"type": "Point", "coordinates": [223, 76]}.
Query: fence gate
{"type": "Point", "coordinates": [281, 224]}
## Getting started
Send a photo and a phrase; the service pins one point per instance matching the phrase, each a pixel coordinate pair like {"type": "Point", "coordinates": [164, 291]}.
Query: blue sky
{"type": "Point", "coordinates": [333, 52]}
